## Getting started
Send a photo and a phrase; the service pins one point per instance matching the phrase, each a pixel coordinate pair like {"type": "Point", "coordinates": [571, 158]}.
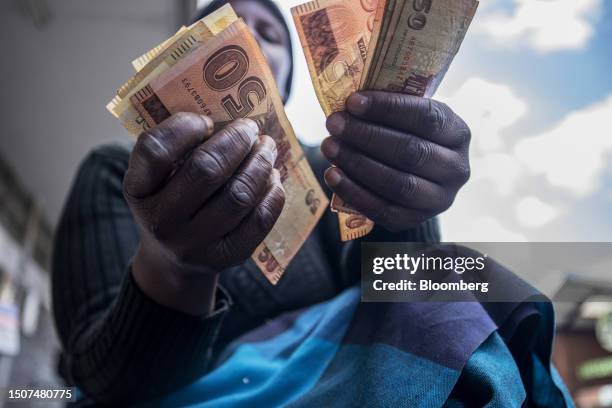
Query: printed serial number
{"type": "Point", "coordinates": [48, 394]}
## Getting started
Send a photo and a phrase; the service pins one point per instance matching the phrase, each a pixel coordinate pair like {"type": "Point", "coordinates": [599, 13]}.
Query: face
{"type": "Point", "coordinates": [271, 36]}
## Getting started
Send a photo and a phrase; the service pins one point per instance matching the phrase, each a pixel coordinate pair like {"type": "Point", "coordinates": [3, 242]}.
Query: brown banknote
{"type": "Point", "coordinates": [410, 46]}
{"type": "Point", "coordinates": [227, 78]}
{"type": "Point", "coordinates": [162, 58]}
{"type": "Point", "coordinates": [335, 35]}
{"type": "Point", "coordinates": [414, 42]}
{"type": "Point", "coordinates": [142, 61]}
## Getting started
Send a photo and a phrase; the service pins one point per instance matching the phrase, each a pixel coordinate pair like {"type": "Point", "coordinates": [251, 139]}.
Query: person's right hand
{"type": "Point", "coordinates": [204, 203]}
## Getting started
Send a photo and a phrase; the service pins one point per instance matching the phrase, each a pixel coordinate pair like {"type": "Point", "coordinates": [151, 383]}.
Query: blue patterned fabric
{"type": "Point", "coordinates": [344, 353]}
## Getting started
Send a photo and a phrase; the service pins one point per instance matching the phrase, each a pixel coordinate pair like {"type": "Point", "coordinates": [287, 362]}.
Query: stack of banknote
{"type": "Point", "coordinates": [403, 46]}
{"type": "Point", "coordinates": [216, 68]}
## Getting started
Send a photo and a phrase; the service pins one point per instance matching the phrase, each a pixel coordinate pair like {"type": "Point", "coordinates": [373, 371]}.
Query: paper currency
{"type": "Point", "coordinates": [335, 35]}
{"type": "Point", "coordinates": [162, 58]}
{"type": "Point", "coordinates": [410, 45]}
{"type": "Point", "coordinates": [224, 75]}
{"type": "Point", "coordinates": [414, 42]}
{"type": "Point", "coordinates": [142, 61]}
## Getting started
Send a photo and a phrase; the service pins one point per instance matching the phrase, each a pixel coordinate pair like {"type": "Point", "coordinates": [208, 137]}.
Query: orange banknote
{"type": "Point", "coordinates": [335, 36]}
{"type": "Point", "coordinates": [389, 45]}
{"type": "Point", "coordinates": [215, 67]}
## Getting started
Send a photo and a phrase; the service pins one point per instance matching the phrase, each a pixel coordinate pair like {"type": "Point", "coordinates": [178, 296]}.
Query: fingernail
{"type": "Point", "coordinates": [336, 124]}
{"type": "Point", "coordinates": [208, 121]}
{"type": "Point", "coordinates": [252, 124]}
{"type": "Point", "coordinates": [330, 148]}
{"type": "Point", "coordinates": [273, 144]}
{"type": "Point", "coordinates": [269, 151]}
{"type": "Point", "coordinates": [210, 125]}
{"type": "Point", "coordinates": [276, 176]}
{"type": "Point", "coordinates": [333, 177]}
{"type": "Point", "coordinates": [357, 103]}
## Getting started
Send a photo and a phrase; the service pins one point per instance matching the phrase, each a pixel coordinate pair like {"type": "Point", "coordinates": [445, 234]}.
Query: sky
{"type": "Point", "coordinates": [533, 80]}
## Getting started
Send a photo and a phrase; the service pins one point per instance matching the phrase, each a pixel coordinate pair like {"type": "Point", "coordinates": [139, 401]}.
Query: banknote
{"type": "Point", "coordinates": [414, 43]}
{"type": "Point", "coordinates": [335, 35]}
{"type": "Point", "coordinates": [409, 44]}
{"type": "Point", "coordinates": [351, 224]}
{"type": "Point", "coordinates": [227, 78]}
{"type": "Point", "coordinates": [162, 58]}
{"type": "Point", "coordinates": [142, 61]}
{"type": "Point", "coordinates": [215, 22]}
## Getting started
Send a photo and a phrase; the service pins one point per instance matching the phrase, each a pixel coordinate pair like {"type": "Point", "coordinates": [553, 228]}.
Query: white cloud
{"type": "Point", "coordinates": [572, 155]}
{"type": "Point", "coordinates": [544, 25]}
{"type": "Point", "coordinates": [488, 108]}
{"type": "Point", "coordinates": [502, 170]}
{"type": "Point", "coordinates": [533, 212]}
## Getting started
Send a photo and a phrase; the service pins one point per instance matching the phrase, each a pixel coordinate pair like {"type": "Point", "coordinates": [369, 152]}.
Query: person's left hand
{"type": "Point", "coordinates": [400, 159]}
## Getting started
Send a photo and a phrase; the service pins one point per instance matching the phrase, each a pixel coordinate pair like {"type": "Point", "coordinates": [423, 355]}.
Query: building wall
{"type": "Point", "coordinates": [56, 77]}
{"type": "Point", "coordinates": [62, 62]}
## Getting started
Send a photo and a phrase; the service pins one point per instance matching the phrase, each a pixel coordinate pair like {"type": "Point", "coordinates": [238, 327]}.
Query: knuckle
{"type": "Point", "coordinates": [278, 199]}
{"type": "Point", "coordinates": [351, 161]}
{"type": "Point", "coordinates": [241, 134]}
{"type": "Point", "coordinates": [151, 149]}
{"type": "Point", "coordinates": [369, 133]}
{"type": "Point", "coordinates": [464, 173]}
{"type": "Point", "coordinates": [409, 187]}
{"type": "Point", "coordinates": [396, 103]}
{"type": "Point", "coordinates": [127, 192]}
{"type": "Point", "coordinates": [415, 151]}
{"type": "Point", "coordinates": [447, 201]}
{"type": "Point", "coordinates": [388, 180]}
{"type": "Point", "coordinates": [262, 162]}
{"type": "Point", "coordinates": [141, 207]}
{"type": "Point", "coordinates": [160, 226]}
{"type": "Point", "coordinates": [205, 166]}
{"type": "Point", "coordinates": [267, 215]}
{"type": "Point", "coordinates": [359, 132]}
{"type": "Point", "coordinates": [439, 115]}
{"type": "Point", "coordinates": [240, 193]}
{"type": "Point", "coordinates": [460, 170]}
{"type": "Point", "coordinates": [464, 133]}
{"type": "Point", "coordinates": [404, 147]}
{"type": "Point", "coordinates": [422, 153]}
{"type": "Point", "coordinates": [443, 201]}
{"type": "Point", "coordinates": [419, 152]}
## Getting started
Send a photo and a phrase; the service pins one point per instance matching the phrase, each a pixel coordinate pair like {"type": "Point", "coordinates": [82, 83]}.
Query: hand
{"type": "Point", "coordinates": [203, 202]}
{"type": "Point", "coordinates": [400, 159]}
